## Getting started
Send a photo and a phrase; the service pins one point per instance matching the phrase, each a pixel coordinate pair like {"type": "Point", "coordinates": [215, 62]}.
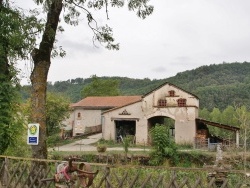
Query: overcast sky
{"type": "Point", "coordinates": [180, 35]}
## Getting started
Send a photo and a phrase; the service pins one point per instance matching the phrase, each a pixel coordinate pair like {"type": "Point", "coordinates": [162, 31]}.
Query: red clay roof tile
{"type": "Point", "coordinates": [108, 101]}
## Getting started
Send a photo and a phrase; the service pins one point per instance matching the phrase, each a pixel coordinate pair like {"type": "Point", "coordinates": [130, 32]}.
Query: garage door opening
{"type": "Point", "coordinates": [125, 128]}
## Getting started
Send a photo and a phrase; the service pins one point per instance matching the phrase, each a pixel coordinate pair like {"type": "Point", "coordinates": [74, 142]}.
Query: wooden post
{"type": "Point", "coordinates": [237, 139]}
{"type": "Point", "coordinates": [107, 177]}
{"type": "Point", "coordinates": [5, 172]}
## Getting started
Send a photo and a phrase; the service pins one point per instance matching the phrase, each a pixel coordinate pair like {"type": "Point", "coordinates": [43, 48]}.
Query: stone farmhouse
{"type": "Point", "coordinates": [135, 115]}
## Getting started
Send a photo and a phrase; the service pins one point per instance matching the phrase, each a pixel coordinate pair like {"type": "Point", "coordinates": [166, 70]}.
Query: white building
{"type": "Point", "coordinates": [166, 101]}
{"type": "Point", "coordinates": [85, 116]}
{"type": "Point", "coordinates": [135, 115]}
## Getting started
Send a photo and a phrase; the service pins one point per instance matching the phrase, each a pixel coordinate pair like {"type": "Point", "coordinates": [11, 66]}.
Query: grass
{"type": "Point", "coordinates": [112, 144]}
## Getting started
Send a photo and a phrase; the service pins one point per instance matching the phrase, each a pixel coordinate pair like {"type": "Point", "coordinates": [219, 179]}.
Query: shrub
{"type": "Point", "coordinates": [53, 140]}
{"type": "Point", "coordinates": [163, 145]}
{"type": "Point", "coordinates": [101, 147]}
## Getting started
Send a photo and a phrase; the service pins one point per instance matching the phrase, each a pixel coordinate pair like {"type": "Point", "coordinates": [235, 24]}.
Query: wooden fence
{"type": "Point", "coordinates": [16, 173]}
{"type": "Point", "coordinates": [206, 144]}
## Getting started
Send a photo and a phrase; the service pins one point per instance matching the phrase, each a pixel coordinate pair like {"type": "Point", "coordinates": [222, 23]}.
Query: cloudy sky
{"type": "Point", "coordinates": [180, 35]}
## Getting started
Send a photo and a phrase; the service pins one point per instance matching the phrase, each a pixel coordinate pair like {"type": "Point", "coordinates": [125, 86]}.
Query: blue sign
{"type": "Point", "coordinates": [32, 140]}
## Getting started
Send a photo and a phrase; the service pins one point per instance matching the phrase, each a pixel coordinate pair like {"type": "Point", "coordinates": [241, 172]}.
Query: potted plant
{"type": "Point", "coordinates": [101, 147]}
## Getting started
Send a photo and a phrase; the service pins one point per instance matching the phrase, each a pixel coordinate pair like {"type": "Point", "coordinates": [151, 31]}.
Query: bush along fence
{"type": "Point", "coordinates": [18, 172]}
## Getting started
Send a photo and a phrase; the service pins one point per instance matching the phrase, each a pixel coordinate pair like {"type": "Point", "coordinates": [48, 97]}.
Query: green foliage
{"type": "Point", "coordinates": [217, 85]}
{"type": "Point", "coordinates": [57, 109]}
{"type": "Point", "coordinates": [160, 137]}
{"type": "Point", "coordinates": [103, 34]}
{"type": "Point", "coordinates": [238, 116]}
{"type": "Point", "coordinates": [17, 32]}
{"type": "Point", "coordinates": [11, 122]}
{"type": "Point", "coordinates": [243, 117]}
{"type": "Point", "coordinates": [19, 147]}
{"type": "Point", "coordinates": [54, 140]}
{"type": "Point", "coordinates": [101, 87]}
{"type": "Point", "coordinates": [126, 143]}
{"type": "Point", "coordinates": [101, 147]}
{"type": "Point", "coordinates": [204, 113]}
{"type": "Point", "coordinates": [163, 145]}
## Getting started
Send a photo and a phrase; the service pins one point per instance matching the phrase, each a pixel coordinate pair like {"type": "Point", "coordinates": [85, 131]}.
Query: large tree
{"type": "Point", "coordinates": [15, 42]}
{"type": "Point", "coordinates": [42, 55]}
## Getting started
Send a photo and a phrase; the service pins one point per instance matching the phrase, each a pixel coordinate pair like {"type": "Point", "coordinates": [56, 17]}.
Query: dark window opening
{"type": "Point", "coordinates": [162, 102]}
{"type": "Point", "coordinates": [171, 93]}
{"type": "Point", "coordinates": [182, 102]}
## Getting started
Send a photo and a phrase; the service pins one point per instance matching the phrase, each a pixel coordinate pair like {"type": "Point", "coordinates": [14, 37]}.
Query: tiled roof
{"type": "Point", "coordinates": [107, 102]}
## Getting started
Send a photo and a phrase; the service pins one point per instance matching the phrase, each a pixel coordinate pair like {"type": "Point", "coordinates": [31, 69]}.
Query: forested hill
{"type": "Point", "coordinates": [217, 85]}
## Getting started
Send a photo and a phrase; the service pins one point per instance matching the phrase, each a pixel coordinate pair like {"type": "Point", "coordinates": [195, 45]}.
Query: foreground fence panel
{"type": "Point", "coordinates": [28, 173]}
{"type": "Point", "coordinates": [19, 173]}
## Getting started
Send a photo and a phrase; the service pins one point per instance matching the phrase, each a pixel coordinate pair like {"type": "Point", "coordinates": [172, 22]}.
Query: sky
{"type": "Point", "coordinates": [180, 35]}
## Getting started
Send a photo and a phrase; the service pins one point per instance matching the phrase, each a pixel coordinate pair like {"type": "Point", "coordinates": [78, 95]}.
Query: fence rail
{"type": "Point", "coordinates": [206, 144]}
{"type": "Point", "coordinates": [17, 172]}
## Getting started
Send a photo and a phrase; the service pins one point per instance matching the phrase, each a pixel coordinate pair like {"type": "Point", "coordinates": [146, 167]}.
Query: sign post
{"type": "Point", "coordinates": [33, 134]}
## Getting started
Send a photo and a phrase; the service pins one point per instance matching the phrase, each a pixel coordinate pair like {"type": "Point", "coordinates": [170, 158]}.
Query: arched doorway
{"type": "Point", "coordinates": [163, 120]}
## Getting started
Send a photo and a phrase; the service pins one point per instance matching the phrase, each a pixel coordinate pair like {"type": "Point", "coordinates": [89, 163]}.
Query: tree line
{"type": "Point", "coordinates": [237, 116]}
{"type": "Point", "coordinates": [217, 86]}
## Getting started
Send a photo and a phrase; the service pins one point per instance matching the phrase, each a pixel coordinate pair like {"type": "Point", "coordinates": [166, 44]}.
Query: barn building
{"type": "Point", "coordinates": [136, 115]}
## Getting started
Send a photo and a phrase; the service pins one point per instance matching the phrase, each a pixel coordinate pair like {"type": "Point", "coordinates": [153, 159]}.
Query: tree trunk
{"type": "Point", "coordinates": [41, 58]}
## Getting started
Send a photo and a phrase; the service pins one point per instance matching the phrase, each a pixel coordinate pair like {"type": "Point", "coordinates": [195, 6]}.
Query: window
{"type": "Point", "coordinates": [162, 102]}
{"type": "Point", "coordinates": [171, 93]}
{"type": "Point", "coordinates": [182, 102]}
{"type": "Point", "coordinates": [79, 115]}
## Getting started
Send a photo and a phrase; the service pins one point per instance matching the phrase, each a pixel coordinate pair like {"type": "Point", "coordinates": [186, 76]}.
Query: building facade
{"type": "Point", "coordinates": [166, 101]}
{"type": "Point", "coordinates": [120, 116]}
{"type": "Point", "coordinates": [85, 116]}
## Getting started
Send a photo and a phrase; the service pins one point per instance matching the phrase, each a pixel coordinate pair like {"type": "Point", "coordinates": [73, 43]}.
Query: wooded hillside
{"type": "Point", "coordinates": [216, 85]}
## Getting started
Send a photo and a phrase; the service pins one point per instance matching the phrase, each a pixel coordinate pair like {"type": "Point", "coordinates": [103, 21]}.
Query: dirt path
{"type": "Point", "coordinates": [86, 145]}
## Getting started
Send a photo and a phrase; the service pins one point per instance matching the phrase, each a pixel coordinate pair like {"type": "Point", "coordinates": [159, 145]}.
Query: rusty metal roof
{"type": "Point", "coordinates": [220, 125]}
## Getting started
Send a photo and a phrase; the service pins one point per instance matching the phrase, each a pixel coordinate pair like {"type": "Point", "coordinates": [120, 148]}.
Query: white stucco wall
{"type": "Point", "coordinates": [151, 100]}
{"type": "Point", "coordinates": [185, 132]}
{"type": "Point", "coordinates": [91, 118]}
{"type": "Point", "coordinates": [185, 125]}
{"type": "Point", "coordinates": [88, 118]}
{"type": "Point", "coordinates": [136, 114]}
